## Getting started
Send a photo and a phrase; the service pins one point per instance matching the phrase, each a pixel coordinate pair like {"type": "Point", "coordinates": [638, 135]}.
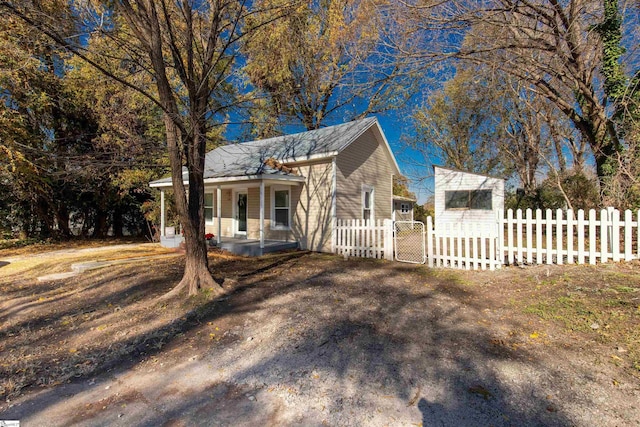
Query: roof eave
{"type": "Point", "coordinates": [229, 179]}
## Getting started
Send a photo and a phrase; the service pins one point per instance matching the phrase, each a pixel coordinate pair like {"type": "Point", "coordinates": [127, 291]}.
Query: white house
{"type": "Point", "coordinates": [288, 191]}
{"type": "Point", "coordinates": [467, 198]}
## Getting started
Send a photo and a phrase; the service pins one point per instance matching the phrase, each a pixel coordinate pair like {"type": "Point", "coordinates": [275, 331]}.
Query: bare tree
{"type": "Point", "coordinates": [549, 45]}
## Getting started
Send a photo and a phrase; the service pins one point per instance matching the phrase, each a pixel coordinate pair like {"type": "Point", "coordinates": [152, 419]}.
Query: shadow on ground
{"type": "Point", "coordinates": [351, 342]}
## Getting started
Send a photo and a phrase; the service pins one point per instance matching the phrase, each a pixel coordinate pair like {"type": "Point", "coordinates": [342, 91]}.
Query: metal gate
{"type": "Point", "coordinates": [409, 242]}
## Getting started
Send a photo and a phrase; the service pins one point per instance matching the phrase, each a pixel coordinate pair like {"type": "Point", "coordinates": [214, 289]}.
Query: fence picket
{"type": "Point", "coordinates": [445, 244]}
{"type": "Point", "coordinates": [459, 245]}
{"type": "Point", "coordinates": [519, 235]}
{"type": "Point", "coordinates": [559, 232]}
{"type": "Point", "coordinates": [604, 241]}
{"type": "Point", "coordinates": [581, 251]}
{"type": "Point", "coordinates": [492, 253]}
{"type": "Point", "coordinates": [468, 231]}
{"type": "Point", "coordinates": [615, 235]}
{"type": "Point", "coordinates": [549, 233]}
{"type": "Point", "coordinates": [628, 235]}
{"type": "Point", "coordinates": [500, 234]}
{"type": "Point", "coordinates": [529, 223]}
{"type": "Point", "coordinates": [570, 236]}
{"type": "Point", "coordinates": [483, 252]}
{"type": "Point", "coordinates": [538, 236]}
{"type": "Point", "coordinates": [510, 235]}
{"type": "Point", "coordinates": [430, 242]}
{"type": "Point", "coordinates": [592, 236]}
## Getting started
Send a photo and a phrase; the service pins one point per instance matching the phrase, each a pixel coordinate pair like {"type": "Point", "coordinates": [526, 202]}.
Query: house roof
{"type": "Point", "coordinates": [404, 198]}
{"type": "Point", "coordinates": [467, 172]}
{"type": "Point", "coordinates": [247, 160]}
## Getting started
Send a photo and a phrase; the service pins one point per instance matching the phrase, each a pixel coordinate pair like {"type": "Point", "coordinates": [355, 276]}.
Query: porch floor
{"type": "Point", "coordinates": [251, 247]}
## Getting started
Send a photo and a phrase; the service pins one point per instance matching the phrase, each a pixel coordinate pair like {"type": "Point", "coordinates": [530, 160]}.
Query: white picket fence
{"type": "Point", "coordinates": [542, 237]}
{"type": "Point", "coordinates": [519, 237]}
{"type": "Point", "coordinates": [364, 238]}
{"type": "Point", "coordinates": [462, 246]}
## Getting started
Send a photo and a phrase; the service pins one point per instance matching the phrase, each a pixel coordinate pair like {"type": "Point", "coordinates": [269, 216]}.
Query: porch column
{"type": "Point", "coordinates": [261, 214]}
{"type": "Point", "coordinates": [162, 213]}
{"type": "Point", "coordinates": [219, 211]}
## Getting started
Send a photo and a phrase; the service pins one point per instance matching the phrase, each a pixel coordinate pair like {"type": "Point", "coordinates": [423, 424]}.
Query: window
{"type": "Point", "coordinates": [208, 208]}
{"type": "Point", "coordinates": [405, 207]}
{"type": "Point", "coordinates": [468, 199]}
{"type": "Point", "coordinates": [367, 202]}
{"type": "Point", "coordinates": [281, 212]}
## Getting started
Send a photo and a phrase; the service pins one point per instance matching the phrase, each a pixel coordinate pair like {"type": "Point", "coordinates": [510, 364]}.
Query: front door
{"type": "Point", "coordinates": [241, 213]}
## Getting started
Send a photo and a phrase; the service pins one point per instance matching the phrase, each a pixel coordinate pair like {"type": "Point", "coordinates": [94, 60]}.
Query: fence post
{"type": "Point", "coordinates": [429, 237]}
{"type": "Point", "coordinates": [388, 239]}
{"type": "Point", "coordinates": [510, 235]}
{"type": "Point", "coordinates": [604, 231]}
{"type": "Point", "coordinates": [500, 236]}
{"type": "Point", "coordinates": [628, 230]}
{"type": "Point", "coordinates": [559, 231]}
{"type": "Point", "coordinates": [529, 219]}
{"type": "Point", "coordinates": [581, 250]}
{"type": "Point", "coordinates": [592, 236]}
{"type": "Point", "coordinates": [549, 230]}
{"type": "Point", "coordinates": [570, 236]}
{"type": "Point", "coordinates": [615, 234]}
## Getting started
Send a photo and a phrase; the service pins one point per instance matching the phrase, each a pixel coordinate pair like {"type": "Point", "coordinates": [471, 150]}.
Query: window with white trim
{"type": "Point", "coordinates": [367, 202]}
{"type": "Point", "coordinates": [405, 207]}
{"type": "Point", "coordinates": [280, 208]}
{"type": "Point", "coordinates": [208, 208]}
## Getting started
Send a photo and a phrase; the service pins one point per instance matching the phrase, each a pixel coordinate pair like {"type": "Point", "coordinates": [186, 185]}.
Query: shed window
{"type": "Point", "coordinates": [367, 202]}
{"type": "Point", "coordinates": [405, 207]}
{"type": "Point", "coordinates": [468, 199]}
{"type": "Point", "coordinates": [281, 208]}
{"type": "Point", "coordinates": [208, 208]}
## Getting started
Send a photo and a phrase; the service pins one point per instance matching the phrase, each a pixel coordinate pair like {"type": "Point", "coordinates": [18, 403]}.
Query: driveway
{"type": "Point", "coordinates": [306, 339]}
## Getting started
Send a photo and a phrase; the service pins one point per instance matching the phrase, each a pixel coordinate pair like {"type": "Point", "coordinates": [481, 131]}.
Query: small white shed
{"type": "Point", "coordinates": [467, 198]}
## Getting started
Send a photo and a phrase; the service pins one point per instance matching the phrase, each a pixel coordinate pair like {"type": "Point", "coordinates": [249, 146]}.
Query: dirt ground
{"type": "Point", "coordinates": [310, 339]}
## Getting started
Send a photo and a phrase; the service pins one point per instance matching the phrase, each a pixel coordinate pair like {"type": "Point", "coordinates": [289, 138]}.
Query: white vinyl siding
{"type": "Point", "coordinates": [450, 183]}
{"type": "Point", "coordinates": [365, 162]}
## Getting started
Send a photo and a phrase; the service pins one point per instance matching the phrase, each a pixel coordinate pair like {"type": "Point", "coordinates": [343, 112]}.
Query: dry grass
{"type": "Point", "coordinates": [53, 332]}
{"type": "Point", "coordinates": [14, 247]}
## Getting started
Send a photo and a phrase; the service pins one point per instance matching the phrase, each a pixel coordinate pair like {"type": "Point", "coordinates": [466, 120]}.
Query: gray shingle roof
{"type": "Point", "coordinates": [247, 159]}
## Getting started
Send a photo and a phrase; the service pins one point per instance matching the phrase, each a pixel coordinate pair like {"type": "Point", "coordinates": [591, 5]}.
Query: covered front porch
{"type": "Point", "coordinates": [246, 215]}
{"type": "Point", "coordinates": [252, 247]}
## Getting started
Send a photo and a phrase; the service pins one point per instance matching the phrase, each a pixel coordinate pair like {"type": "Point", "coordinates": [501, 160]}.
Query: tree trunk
{"type": "Point", "coordinates": [117, 221]}
{"type": "Point", "coordinates": [191, 213]}
{"type": "Point", "coordinates": [62, 216]}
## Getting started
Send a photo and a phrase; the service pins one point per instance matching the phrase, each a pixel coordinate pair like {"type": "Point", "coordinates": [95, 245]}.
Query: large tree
{"type": "Point", "coordinates": [555, 47]}
{"type": "Point", "coordinates": [324, 59]}
{"type": "Point", "coordinates": [69, 134]}
{"type": "Point", "coordinates": [188, 49]}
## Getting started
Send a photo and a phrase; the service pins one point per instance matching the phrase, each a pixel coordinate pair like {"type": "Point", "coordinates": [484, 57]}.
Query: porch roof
{"type": "Point", "coordinates": [283, 178]}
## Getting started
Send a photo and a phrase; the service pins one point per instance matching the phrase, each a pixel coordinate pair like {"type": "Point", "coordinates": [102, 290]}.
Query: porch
{"type": "Point", "coordinates": [246, 216]}
{"type": "Point", "coordinates": [252, 247]}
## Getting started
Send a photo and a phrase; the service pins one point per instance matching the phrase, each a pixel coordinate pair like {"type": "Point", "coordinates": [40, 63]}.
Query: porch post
{"type": "Point", "coordinates": [262, 214]}
{"type": "Point", "coordinates": [219, 211]}
{"type": "Point", "coordinates": [162, 222]}
{"type": "Point", "coordinates": [334, 214]}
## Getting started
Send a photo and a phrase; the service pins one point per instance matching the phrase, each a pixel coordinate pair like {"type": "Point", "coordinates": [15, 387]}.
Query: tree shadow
{"type": "Point", "coordinates": [3, 263]}
{"type": "Point", "coordinates": [363, 331]}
